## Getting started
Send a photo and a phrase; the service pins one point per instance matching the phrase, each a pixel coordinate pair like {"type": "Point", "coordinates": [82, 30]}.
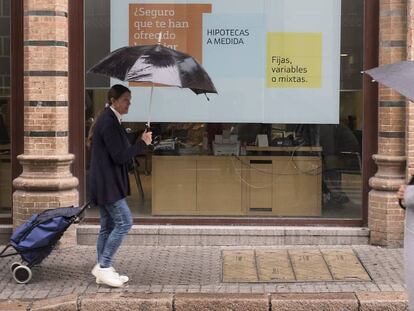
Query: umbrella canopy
{"type": "Point", "coordinates": [398, 76]}
{"type": "Point", "coordinates": [155, 64]}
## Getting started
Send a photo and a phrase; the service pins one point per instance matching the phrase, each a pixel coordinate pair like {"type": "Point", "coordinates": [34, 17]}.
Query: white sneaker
{"type": "Point", "coordinates": [94, 271]}
{"type": "Point", "coordinates": [123, 278]}
{"type": "Point", "coordinates": [108, 277]}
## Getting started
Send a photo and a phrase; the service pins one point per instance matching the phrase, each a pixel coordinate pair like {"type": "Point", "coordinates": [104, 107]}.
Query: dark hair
{"type": "Point", "coordinates": [114, 92]}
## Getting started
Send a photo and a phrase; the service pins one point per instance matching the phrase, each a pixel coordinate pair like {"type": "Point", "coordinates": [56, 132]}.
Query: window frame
{"type": "Point", "coordinates": [16, 86]}
{"type": "Point", "coordinates": [369, 140]}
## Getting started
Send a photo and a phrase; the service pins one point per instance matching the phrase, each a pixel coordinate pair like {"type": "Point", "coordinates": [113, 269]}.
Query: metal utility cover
{"type": "Point", "coordinates": [293, 265]}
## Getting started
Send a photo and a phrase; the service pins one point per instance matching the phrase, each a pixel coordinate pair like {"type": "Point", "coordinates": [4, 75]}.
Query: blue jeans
{"type": "Point", "coordinates": [116, 221]}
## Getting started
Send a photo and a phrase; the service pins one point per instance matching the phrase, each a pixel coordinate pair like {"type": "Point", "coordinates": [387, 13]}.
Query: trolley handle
{"type": "Point", "coordinates": [86, 205]}
{"type": "Point", "coordinates": [79, 218]}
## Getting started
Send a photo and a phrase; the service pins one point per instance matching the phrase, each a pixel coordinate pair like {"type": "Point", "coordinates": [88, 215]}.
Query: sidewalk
{"type": "Point", "coordinates": [178, 271]}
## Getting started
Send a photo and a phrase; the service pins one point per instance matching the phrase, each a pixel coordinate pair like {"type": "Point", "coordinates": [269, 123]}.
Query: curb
{"type": "Point", "coordinates": [315, 302]}
{"type": "Point", "coordinates": [185, 235]}
{"type": "Point", "coordinates": [359, 301]}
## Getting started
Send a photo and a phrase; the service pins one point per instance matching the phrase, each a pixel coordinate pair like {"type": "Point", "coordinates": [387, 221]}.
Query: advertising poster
{"type": "Point", "coordinates": [272, 61]}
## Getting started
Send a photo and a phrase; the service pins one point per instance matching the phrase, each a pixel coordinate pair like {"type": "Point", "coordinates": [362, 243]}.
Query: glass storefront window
{"type": "Point", "coordinates": [230, 166]}
{"type": "Point", "coordinates": [5, 154]}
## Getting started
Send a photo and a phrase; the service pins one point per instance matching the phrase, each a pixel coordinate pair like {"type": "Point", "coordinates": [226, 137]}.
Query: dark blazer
{"type": "Point", "coordinates": [110, 155]}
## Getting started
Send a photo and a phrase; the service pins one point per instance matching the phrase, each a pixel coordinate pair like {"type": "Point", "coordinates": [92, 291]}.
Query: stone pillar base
{"type": "Point", "coordinates": [46, 182]}
{"type": "Point", "coordinates": [386, 219]}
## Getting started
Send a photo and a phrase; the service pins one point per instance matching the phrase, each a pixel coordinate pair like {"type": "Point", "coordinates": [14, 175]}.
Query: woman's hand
{"type": "Point", "coordinates": [147, 137]}
{"type": "Point", "coordinates": [400, 193]}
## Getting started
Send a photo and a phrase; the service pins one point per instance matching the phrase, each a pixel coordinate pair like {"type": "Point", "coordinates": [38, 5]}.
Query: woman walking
{"type": "Point", "coordinates": [406, 193]}
{"type": "Point", "coordinates": [109, 182]}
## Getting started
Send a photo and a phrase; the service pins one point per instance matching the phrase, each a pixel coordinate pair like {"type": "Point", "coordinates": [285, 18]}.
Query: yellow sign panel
{"type": "Point", "coordinates": [294, 60]}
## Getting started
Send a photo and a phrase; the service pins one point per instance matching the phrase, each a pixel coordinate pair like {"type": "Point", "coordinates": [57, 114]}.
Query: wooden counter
{"type": "Point", "coordinates": [285, 148]}
{"type": "Point", "coordinates": [236, 186]}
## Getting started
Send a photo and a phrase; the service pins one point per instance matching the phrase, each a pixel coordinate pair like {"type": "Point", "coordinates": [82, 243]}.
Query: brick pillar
{"type": "Point", "coordinates": [46, 181]}
{"type": "Point", "coordinates": [386, 218]}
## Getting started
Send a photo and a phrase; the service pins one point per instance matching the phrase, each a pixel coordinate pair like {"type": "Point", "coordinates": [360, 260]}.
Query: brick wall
{"type": "Point", "coordinates": [46, 181]}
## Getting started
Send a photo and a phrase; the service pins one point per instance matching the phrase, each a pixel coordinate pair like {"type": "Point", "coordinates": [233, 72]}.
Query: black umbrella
{"type": "Point", "coordinates": [398, 76]}
{"type": "Point", "coordinates": [155, 64]}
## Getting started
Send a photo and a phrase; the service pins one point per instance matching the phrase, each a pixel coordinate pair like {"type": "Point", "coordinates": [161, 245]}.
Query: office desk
{"type": "Point", "coordinates": [236, 186]}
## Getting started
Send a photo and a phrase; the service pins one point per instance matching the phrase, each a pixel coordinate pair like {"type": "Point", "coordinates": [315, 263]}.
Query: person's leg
{"type": "Point", "coordinates": [409, 255]}
{"type": "Point", "coordinates": [122, 218]}
{"type": "Point", "coordinates": [107, 225]}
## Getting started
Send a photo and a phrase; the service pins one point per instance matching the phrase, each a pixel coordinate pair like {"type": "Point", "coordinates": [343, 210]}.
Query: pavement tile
{"type": "Point", "coordinates": [186, 269]}
{"type": "Point", "coordinates": [372, 287]}
{"type": "Point", "coordinates": [308, 288]}
{"type": "Point", "coordinates": [68, 290]}
{"type": "Point", "coordinates": [156, 288]}
{"type": "Point", "coordinates": [385, 287]}
{"type": "Point", "coordinates": [245, 288]}
{"type": "Point", "coordinates": [80, 289]}
{"type": "Point", "coordinates": [347, 288]}
{"type": "Point", "coordinates": [143, 288]}
{"type": "Point", "coordinates": [29, 295]}
{"type": "Point", "coordinates": [222, 288]}
{"type": "Point", "coordinates": [41, 294]}
{"type": "Point", "coordinates": [269, 288]}
{"type": "Point", "coordinates": [168, 289]}
{"type": "Point", "coordinates": [104, 289]}
{"type": "Point", "coordinates": [294, 288]}
{"type": "Point", "coordinates": [231, 288]}
{"type": "Point", "coordinates": [334, 288]}
{"type": "Point", "coordinates": [5, 294]}
{"type": "Point", "coordinates": [207, 289]}
{"type": "Point", "coordinates": [257, 288]}
{"type": "Point", "coordinates": [194, 288]}
{"type": "Point", "coordinates": [92, 289]}
{"type": "Point", "coordinates": [181, 289]}
{"type": "Point", "coordinates": [17, 295]}
{"type": "Point", "coordinates": [280, 288]}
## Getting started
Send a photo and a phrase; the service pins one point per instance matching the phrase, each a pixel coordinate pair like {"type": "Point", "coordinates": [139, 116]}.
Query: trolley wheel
{"type": "Point", "coordinates": [22, 274]}
{"type": "Point", "coordinates": [14, 265]}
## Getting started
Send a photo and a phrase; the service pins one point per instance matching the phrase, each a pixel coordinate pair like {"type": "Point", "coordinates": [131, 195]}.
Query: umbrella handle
{"type": "Point", "coordinates": [148, 125]}
{"type": "Point", "coordinates": [155, 140]}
